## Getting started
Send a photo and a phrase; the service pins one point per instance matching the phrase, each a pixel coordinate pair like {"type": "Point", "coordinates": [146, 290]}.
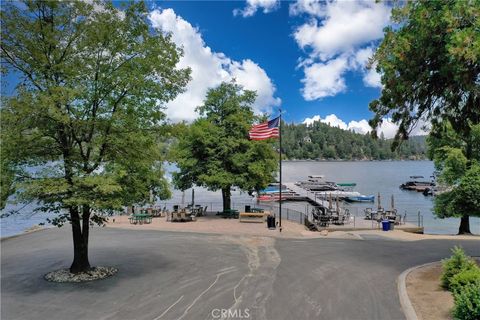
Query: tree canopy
{"type": "Point", "coordinates": [215, 152]}
{"type": "Point", "coordinates": [430, 66]}
{"type": "Point", "coordinates": [87, 111]}
{"type": "Point", "coordinates": [321, 141]}
{"type": "Point", "coordinates": [458, 176]}
{"type": "Point", "coordinates": [429, 62]}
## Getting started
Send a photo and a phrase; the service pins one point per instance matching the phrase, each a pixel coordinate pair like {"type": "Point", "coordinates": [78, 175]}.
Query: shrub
{"type": "Point", "coordinates": [458, 262]}
{"type": "Point", "coordinates": [470, 276]}
{"type": "Point", "coordinates": [467, 303]}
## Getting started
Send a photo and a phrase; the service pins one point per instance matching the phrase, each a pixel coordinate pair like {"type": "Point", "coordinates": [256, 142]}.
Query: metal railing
{"type": "Point", "coordinates": [300, 212]}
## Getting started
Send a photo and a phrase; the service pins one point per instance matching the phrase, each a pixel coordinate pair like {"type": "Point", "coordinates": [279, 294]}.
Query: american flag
{"type": "Point", "coordinates": [265, 130]}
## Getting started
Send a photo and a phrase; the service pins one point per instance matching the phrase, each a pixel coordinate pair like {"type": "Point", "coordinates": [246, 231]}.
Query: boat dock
{"type": "Point", "coordinates": [310, 195]}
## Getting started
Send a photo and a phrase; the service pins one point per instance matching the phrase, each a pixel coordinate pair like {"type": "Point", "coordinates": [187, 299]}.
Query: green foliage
{"type": "Point", "coordinates": [457, 263]}
{"type": "Point", "coordinates": [430, 62]}
{"type": "Point", "coordinates": [88, 109]}
{"type": "Point", "coordinates": [452, 164]}
{"type": "Point", "coordinates": [334, 143]}
{"type": "Point", "coordinates": [462, 199]}
{"type": "Point", "coordinates": [7, 180]}
{"type": "Point", "coordinates": [467, 302]}
{"type": "Point", "coordinates": [215, 151]}
{"type": "Point", "coordinates": [463, 278]}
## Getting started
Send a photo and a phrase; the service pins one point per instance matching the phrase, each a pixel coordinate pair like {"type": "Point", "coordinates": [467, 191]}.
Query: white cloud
{"type": "Point", "coordinates": [252, 77]}
{"type": "Point", "coordinates": [209, 69]}
{"type": "Point", "coordinates": [388, 128]}
{"type": "Point", "coordinates": [371, 78]}
{"type": "Point", "coordinates": [345, 26]}
{"type": "Point", "coordinates": [333, 121]}
{"type": "Point", "coordinates": [254, 5]}
{"type": "Point", "coordinates": [361, 126]}
{"type": "Point", "coordinates": [324, 79]}
{"type": "Point", "coordinates": [310, 121]}
{"type": "Point", "coordinates": [311, 7]}
{"type": "Point", "coordinates": [338, 30]}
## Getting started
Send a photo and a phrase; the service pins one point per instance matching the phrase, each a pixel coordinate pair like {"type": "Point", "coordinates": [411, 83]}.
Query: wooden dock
{"type": "Point", "coordinates": [310, 195]}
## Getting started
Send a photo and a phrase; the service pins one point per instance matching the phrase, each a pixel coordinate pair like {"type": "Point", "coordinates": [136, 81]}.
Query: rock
{"type": "Point", "coordinates": [96, 273]}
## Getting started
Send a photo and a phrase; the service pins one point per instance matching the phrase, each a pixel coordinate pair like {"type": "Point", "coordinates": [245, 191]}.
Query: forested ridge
{"type": "Point", "coordinates": [320, 141]}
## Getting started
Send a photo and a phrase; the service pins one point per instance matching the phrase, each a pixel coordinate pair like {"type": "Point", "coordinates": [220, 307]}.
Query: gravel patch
{"type": "Point", "coordinates": [96, 273]}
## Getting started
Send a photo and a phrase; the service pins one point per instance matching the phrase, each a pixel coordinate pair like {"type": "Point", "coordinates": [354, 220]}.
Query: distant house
{"type": "Point", "coordinates": [307, 139]}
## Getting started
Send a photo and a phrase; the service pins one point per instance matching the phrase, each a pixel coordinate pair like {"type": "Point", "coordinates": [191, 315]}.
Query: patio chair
{"type": "Point", "coordinates": [368, 214]}
{"type": "Point", "coordinates": [324, 221]}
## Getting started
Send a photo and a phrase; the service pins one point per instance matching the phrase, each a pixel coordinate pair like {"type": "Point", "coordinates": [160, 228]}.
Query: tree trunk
{"type": "Point", "coordinates": [80, 239]}
{"type": "Point", "coordinates": [226, 198]}
{"type": "Point", "coordinates": [464, 225]}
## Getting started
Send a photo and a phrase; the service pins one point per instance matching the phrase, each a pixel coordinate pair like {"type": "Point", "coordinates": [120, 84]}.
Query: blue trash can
{"type": "Point", "coordinates": [385, 225]}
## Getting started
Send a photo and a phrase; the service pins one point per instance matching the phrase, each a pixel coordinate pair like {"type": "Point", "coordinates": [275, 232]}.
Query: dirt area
{"type": "Point", "coordinates": [218, 225]}
{"type": "Point", "coordinates": [430, 300]}
{"type": "Point", "coordinates": [290, 229]}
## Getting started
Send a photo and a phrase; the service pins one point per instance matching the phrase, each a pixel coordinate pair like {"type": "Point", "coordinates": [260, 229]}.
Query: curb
{"type": "Point", "coordinates": [405, 302]}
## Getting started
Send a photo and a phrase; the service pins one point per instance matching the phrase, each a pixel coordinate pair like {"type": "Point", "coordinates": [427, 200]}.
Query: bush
{"type": "Point", "coordinates": [465, 277]}
{"type": "Point", "coordinates": [467, 303]}
{"type": "Point", "coordinates": [458, 262]}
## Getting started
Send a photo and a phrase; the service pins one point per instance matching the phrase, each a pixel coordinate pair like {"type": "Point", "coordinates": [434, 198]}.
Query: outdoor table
{"type": "Point", "coordinates": [140, 218]}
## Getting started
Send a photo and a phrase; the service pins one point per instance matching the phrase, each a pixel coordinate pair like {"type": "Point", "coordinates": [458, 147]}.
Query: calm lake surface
{"type": "Point", "coordinates": [371, 177]}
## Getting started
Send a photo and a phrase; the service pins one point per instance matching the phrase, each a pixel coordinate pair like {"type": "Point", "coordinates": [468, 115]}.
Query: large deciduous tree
{"type": "Point", "coordinates": [86, 114]}
{"type": "Point", "coordinates": [215, 152]}
{"type": "Point", "coordinates": [429, 62]}
{"type": "Point", "coordinates": [459, 178]}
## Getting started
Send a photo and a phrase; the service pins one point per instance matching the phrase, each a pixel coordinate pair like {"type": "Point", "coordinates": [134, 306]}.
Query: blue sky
{"type": "Point", "coordinates": [268, 40]}
{"type": "Point", "coordinates": [307, 56]}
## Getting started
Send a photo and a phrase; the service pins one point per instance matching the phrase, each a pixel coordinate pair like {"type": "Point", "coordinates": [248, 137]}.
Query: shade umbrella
{"type": "Point", "coordinates": [393, 203]}
{"type": "Point", "coordinates": [338, 205]}
{"type": "Point", "coordinates": [379, 203]}
{"type": "Point", "coordinates": [330, 201]}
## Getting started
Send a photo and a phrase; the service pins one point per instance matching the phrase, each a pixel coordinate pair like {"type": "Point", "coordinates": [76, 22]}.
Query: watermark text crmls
{"type": "Point", "coordinates": [231, 313]}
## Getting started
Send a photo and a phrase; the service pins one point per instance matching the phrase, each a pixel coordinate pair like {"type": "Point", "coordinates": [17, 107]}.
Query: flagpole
{"type": "Point", "coordinates": [280, 166]}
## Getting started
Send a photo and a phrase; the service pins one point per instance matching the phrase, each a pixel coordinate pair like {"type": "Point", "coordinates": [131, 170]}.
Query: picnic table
{"type": "Point", "coordinates": [231, 213]}
{"type": "Point", "coordinates": [252, 217]}
{"type": "Point", "coordinates": [140, 218]}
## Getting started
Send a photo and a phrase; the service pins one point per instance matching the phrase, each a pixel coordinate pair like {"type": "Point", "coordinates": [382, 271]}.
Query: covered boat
{"type": "Point", "coordinates": [361, 198]}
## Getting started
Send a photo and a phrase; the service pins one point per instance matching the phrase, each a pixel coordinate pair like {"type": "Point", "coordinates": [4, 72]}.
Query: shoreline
{"type": "Point", "coordinates": [291, 230]}
{"type": "Point", "coordinates": [355, 160]}
{"type": "Point", "coordinates": [32, 229]}
{"type": "Point", "coordinates": [232, 227]}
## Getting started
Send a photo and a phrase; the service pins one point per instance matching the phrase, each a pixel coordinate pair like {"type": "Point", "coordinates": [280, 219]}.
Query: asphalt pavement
{"type": "Point", "coordinates": [168, 275]}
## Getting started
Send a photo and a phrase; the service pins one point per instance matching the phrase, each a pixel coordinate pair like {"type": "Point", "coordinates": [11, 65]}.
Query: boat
{"type": "Point", "coordinates": [361, 198]}
{"type": "Point", "coordinates": [317, 183]}
{"type": "Point", "coordinates": [272, 188]}
{"type": "Point", "coordinates": [347, 184]}
{"type": "Point", "coordinates": [419, 186]}
{"type": "Point", "coordinates": [337, 193]}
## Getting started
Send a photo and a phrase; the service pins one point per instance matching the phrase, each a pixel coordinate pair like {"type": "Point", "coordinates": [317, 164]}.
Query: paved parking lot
{"type": "Point", "coordinates": [171, 275]}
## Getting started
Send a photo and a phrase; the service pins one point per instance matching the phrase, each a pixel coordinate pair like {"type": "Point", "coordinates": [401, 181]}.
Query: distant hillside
{"type": "Point", "coordinates": [321, 141]}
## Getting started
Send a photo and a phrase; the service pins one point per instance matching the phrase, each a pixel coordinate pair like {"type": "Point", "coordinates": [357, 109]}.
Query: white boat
{"type": "Point", "coordinates": [337, 193]}
{"type": "Point", "coordinates": [317, 183]}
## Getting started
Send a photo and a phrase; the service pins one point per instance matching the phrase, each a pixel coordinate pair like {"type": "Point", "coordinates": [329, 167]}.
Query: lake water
{"type": "Point", "coordinates": [371, 177]}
